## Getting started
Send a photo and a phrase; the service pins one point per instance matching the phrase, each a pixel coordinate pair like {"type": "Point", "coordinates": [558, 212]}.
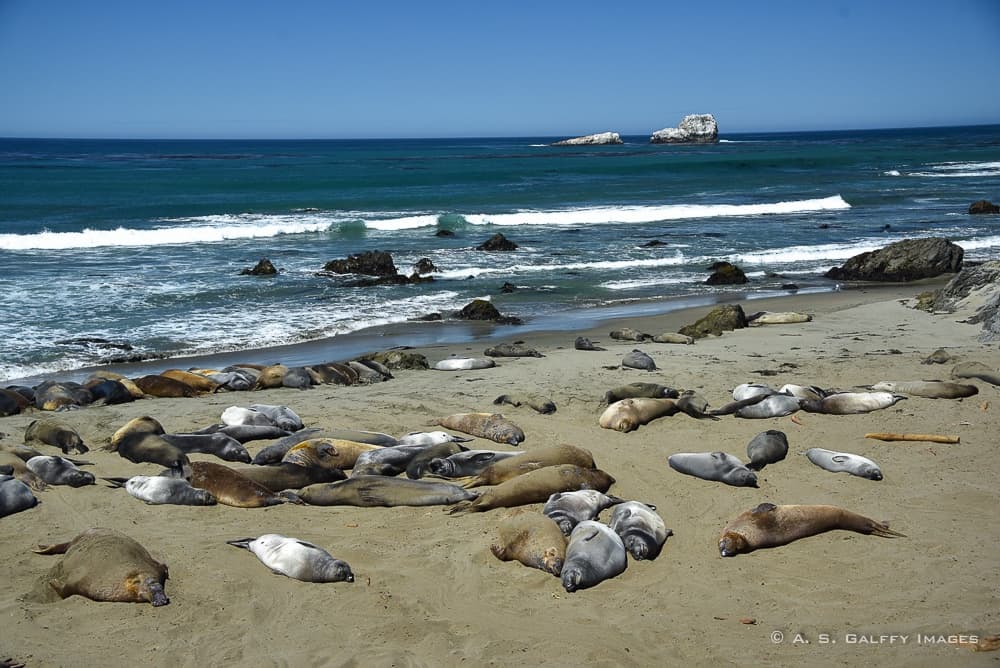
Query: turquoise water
{"type": "Point", "coordinates": [142, 242]}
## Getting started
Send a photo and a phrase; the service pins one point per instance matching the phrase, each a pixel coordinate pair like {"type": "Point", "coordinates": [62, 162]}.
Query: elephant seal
{"type": "Point", "coordinates": [464, 363]}
{"type": "Point", "coordinates": [976, 370]}
{"type": "Point", "coordinates": [17, 468]}
{"type": "Point", "coordinates": [238, 415]}
{"type": "Point", "coordinates": [537, 486]}
{"type": "Point", "coordinates": [929, 389]}
{"type": "Point", "coordinates": [567, 509]}
{"type": "Point", "coordinates": [767, 447]}
{"type": "Point", "coordinates": [419, 466]}
{"type": "Point", "coordinates": [629, 414]}
{"type": "Point", "coordinates": [583, 343]}
{"type": "Point", "coordinates": [769, 525]}
{"type": "Point", "coordinates": [430, 438]}
{"type": "Point", "coordinates": [279, 477]}
{"type": "Point", "coordinates": [629, 334]}
{"type": "Point", "coordinates": [155, 385]}
{"type": "Point", "coordinates": [296, 558]}
{"type": "Point", "coordinates": [594, 554]}
{"type": "Point", "coordinates": [773, 405]}
{"type": "Point", "coordinates": [222, 446]}
{"type": "Point", "coordinates": [11, 402]}
{"type": "Point", "coordinates": [59, 471]}
{"type": "Point", "coordinates": [548, 455]}
{"type": "Point", "coordinates": [109, 392]}
{"type": "Point", "coordinates": [196, 381]}
{"type": "Point", "coordinates": [272, 454]}
{"type": "Point", "coordinates": [750, 390]}
{"type": "Point", "coordinates": [532, 539]}
{"type": "Point", "coordinates": [492, 426]}
{"type": "Point", "coordinates": [939, 356]}
{"type": "Point", "coordinates": [271, 377]}
{"type": "Point", "coordinates": [52, 432]}
{"type": "Point", "coordinates": [849, 403]}
{"type": "Point", "coordinates": [638, 360]}
{"type": "Point", "coordinates": [637, 390]}
{"type": "Point", "coordinates": [691, 403]}
{"type": "Point", "coordinates": [673, 337]}
{"type": "Point", "coordinates": [244, 433]}
{"type": "Point", "coordinates": [54, 396]}
{"type": "Point", "coordinates": [642, 530]}
{"type": "Point", "coordinates": [299, 378]}
{"type": "Point", "coordinates": [235, 380]}
{"type": "Point", "coordinates": [468, 463]}
{"type": "Point", "coordinates": [158, 490]}
{"type": "Point", "coordinates": [369, 491]}
{"type": "Point", "coordinates": [539, 404]}
{"type": "Point", "coordinates": [231, 488]}
{"type": "Point", "coordinates": [778, 318]}
{"type": "Point", "coordinates": [511, 350]}
{"type": "Point", "coordinates": [327, 453]}
{"type": "Point", "coordinates": [282, 416]}
{"type": "Point", "coordinates": [389, 461]}
{"type": "Point", "coordinates": [803, 391]}
{"type": "Point", "coordinates": [141, 440]}
{"type": "Point", "coordinates": [15, 496]}
{"type": "Point", "coordinates": [715, 466]}
{"type": "Point", "coordinates": [105, 565]}
{"type": "Point", "coordinates": [838, 462]}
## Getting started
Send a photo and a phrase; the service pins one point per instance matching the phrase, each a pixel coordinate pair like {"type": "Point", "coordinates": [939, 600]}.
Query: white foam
{"type": "Point", "coordinates": [960, 170]}
{"type": "Point", "coordinates": [638, 283]}
{"type": "Point", "coordinates": [610, 265]}
{"type": "Point", "coordinates": [403, 223]}
{"type": "Point", "coordinates": [892, 172]}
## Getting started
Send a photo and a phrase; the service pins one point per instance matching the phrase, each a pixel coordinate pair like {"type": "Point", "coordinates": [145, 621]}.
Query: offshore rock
{"type": "Point", "coordinates": [599, 139]}
{"type": "Point", "coordinates": [369, 263]}
{"type": "Point", "coordinates": [497, 242]}
{"type": "Point", "coordinates": [262, 268]}
{"type": "Point", "coordinates": [725, 273]}
{"type": "Point", "coordinates": [907, 260]}
{"type": "Point", "coordinates": [724, 318]}
{"type": "Point", "coordinates": [693, 129]}
{"type": "Point", "coordinates": [481, 309]}
{"type": "Point", "coordinates": [983, 206]}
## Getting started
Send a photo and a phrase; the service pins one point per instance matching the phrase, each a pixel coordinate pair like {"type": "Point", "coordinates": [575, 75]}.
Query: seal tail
{"type": "Point", "coordinates": [461, 508]}
{"type": "Point", "coordinates": [291, 497]}
{"type": "Point", "coordinates": [243, 543]}
{"type": "Point", "coordinates": [467, 482]}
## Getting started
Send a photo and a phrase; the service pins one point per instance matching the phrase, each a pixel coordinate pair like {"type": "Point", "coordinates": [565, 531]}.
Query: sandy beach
{"type": "Point", "coordinates": [428, 591]}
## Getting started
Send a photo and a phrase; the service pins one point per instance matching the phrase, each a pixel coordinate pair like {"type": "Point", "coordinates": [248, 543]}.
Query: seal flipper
{"type": "Point", "coordinates": [764, 508]}
{"type": "Point", "coordinates": [58, 548]}
{"type": "Point", "coordinates": [116, 482]}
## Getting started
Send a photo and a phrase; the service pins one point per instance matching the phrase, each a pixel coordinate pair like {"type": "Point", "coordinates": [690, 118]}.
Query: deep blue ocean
{"type": "Point", "coordinates": [142, 242]}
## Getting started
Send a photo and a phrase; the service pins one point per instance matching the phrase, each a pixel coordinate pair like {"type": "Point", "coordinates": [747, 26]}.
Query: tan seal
{"type": "Point", "coordinates": [492, 426]}
{"type": "Point", "coordinates": [532, 539]}
{"type": "Point", "coordinates": [778, 318]}
{"type": "Point", "coordinates": [769, 525]}
{"type": "Point", "coordinates": [196, 381]}
{"type": "Point", "coordinates": [629, 414]}
{"type": "Point", "coordinates": [53, 432]}
{"type": "Point", "coordinates": [537, 486]}
{"type": "Point", "coordinates": [271, 377]}
{"type": "Point", "coordinates": [160, 386]}
{"type": "Point", "coordinates": [380, 491]}
{"type": "Point", "coordinates": [929, 389]}
{"type": "Point", "coordinates": [141, 440]}
{"type": "Point", "coordinates": [547, 455]}
{"type": "Point", "coordinates": [232, 488]}
{"type": "Point", "coordinates": [105, 565]}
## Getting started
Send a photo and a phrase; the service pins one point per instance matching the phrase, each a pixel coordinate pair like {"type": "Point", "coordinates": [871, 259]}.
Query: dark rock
{"type": "Point", "coordinates": [444, 233]}
{"type": "Point", "coordinates": [789, 286]}
{"type": "Point", "coordinates": [726, 274]}
{"type": "Point", "coordinates": [430, 317]}
{"type": "Point", "coordinates": [424, 266]}
{"type": "Point", "coordinates": [508, 287]}
{"type": "Point", "coordinates": [480, 309]}
{"type": "Point", "coordinates": [723, 318]}
{"type": "Point", "coordinates": [497, 242]}
{"type": "Point", "coordinates": [654, 243]}
{"type": "Point", "coordinates": [262, 268]}
{"type": "Point", "coordinates": [907, 260]}
{"type": "Point", "coordinates": [983, 206]}
{"type": "Point", "coordinates": [369, 263]}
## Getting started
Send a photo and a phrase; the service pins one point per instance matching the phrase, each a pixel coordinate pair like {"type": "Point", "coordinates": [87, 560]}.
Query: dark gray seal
{"type": "Point", "coordinates": [468, 463]}
{"type": "Point", "coordinates": [542, 405]}
{"type": "Point", "coordinates": [273, 453]}
{"type": "Point", "coordinates": [976, 370]}
{"type": "Point", "coordinates": [59, 471]}
{"type": "Point", "coordinates": [767, 447]}
{"type": "Point", "coordinates": [379, 491]}
{"type": "Point", "coordinates": [715, 466]}
{"type": "Point", "coordinates": [594, 554]}
{"type": "Point", "coordinates": [691, 403]}
{"type": "Point", "coordinates": [15, 496]}
{"type": "Point", "coordinates": [511, 350]}
{"type": "Point", "coordinates": [583, 343]}
{"type": "Point", "coordinates": [389, 461]}
{"type": "Point", "coordinates": [639, 391]}
{"type": "Point", "coordinates": [773, 405]}
{"type": "Point", "coordinates": [642, 530]}
{"type": "Point", "coordinates": [638, 360]}
{"type": "Point", "coordinates": [419, 466]}
{"type": "Point", "coordinates": [245, 433]}
{"type": "Point", "coordinates": [567, 509]}
{"type": "Point", "coordinates": [219, 444]}
{"type": "Point", "coordinates": [282, 416]}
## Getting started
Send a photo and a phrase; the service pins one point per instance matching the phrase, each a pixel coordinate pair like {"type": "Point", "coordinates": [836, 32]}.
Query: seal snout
{"type": "Point", "coordinates": [571, 579]}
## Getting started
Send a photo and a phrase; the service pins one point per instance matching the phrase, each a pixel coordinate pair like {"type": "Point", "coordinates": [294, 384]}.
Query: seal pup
{"type": "Point", "coordinates": [238, 415]}
{"type": "Point", "coordinates": [430, 438]}
{"type": "Point", "coordinates": [803, 391]}
{"type": "Point", "coordinates": [464, 363]}
{"type": "Point", "coordinates": [929, 389]}
{"type": "Point", "coordinates": [629, 334]}
{"type": "Point", "coordinates": [673, 337]}
{"type": "Point", "coordinates": [849, 403]}
{"type": "Point", "coordinates": [532, 539]}
{"type": "Point", "coordinates": [838, 462]}
{"type": "Point", "coordinates": [642, 530]}
{"type": "Point", "coordinates": [773, 405]}
{"type": "Point", "coordinates": [231, 488]}
{"type": "Point", "coordinates": [638, 360]}
{"type": "Point", "coordinates": [536, 487]}
{"type": "Point", "coordinates": [583, 343]}
{"type": "Point", "coordinates": [15, 496]}
{"type": "Point", "coordinates": [219, 444]}
{"type": "Point", "coordinates": [369, 491]}
{"type": "Point", "coordinates": [594, 554]}
{"type": "Point", "coordinates": [769, 525]}
{"type": "Point", "coordinates": [691, 403]}
{"type": "Point", "coordinates": [767, 447]}
{"type": "Point", "coordinates": [158, 490]}
{"type": "Point", "coordinates": [105, 565]}
{"type": "Point", "coordinates": [629, 414]}
{"type": "Point", "coordinates": [503, 469]}
{"type": "Point", "coordinates": [778, 318]}
{"type": "Point", "coordinates": [636, 390]}
{"type": "Point", "coordinates": [282, 416]}
{"type": "Point", "coordinates": [539, 404]}
{"type": "Point", "coordinates": [59, 471]}
{"type": "Point", "coordinates": [976, 370]}
{"type": "Point", "coordinates": [296, 558]}
{"type": "Point", "coordinates": [939, 356]}
{"type": "Point", "coordinates": [299, 378]}
{"type": "Point", "coordinates": [492, 426]}
{"type": "Point", "coordinates": [715, 466]}
{"type": "Point", "coordinates": [468, 463]}
{"type": "Point", "coordinates": [567, 509]}
{"type": "Point", "coordinates": [511, 350]}
{"type": "Point", "coordinates": [52, 432]}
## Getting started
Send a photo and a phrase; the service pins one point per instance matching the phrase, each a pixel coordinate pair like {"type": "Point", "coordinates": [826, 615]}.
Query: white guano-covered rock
{"type": "Point", "coordinates": [592, 140]}
{"type": "Point", "coordinates": [693, 129]}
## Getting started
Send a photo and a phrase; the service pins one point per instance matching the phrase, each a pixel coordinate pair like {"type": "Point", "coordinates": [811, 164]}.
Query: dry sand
{"type": "Point", "coordinates": [430, 593]}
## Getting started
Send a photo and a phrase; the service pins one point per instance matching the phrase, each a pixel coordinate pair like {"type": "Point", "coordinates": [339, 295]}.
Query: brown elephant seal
{"type": "Point", "coordinates": [929, 389]}
{"type": "Point", "coordinates": [52, 432]}
{"type": "Point", "coordinates": [976, 370]}
{"type": "Point", "coordinates": [629, 414]}
{"type": "Point", "coordinates": [767, 447]}
{"type": "Point", "coordinates": [511, 350]}
{"type": "Point", "coordinates": [369, 491]}
{"type": "Point", "coordinates": [769, 525]}
{"type": "Point", "coordinates": [583, 343]}
{"type": "Point", "coordinates": [59, 471]}
{"type": "Point", "coordinates": [635, 390]}
{"type": "Point", "coordinates": [105, 565]}
{"type": "Point", "coordinates": [141, 440]}
{"type": "Point", "coordinates": [594, 554]}
{"type": "Point", "coordinates": [18, 469]}
{"type": "Point", "coordinates": [537, 486]}
{"type": "Point", "coordinates": [296, 558]}
{"type": "Point", "coordinates": [629, 334]}
{"type": "Point", "coordinates": [540, 404]}
{"type": "Point", "coordinates": [271, 377]}
{"type": "Point", "coordinates": [492, 426]}
{"type": "Point", "coordinates": [547, 455]}
{"type": "Point", "coordinates": [532, 539]}
{"type": "Point", "coordinates": [638, 360]}
{"type": "Point", "coordinates": [939, 356]}
{"type": "Point", "coordinates": [232, 488]}
{"type": "Point", "coordinates": [279, 477]}
{"type": "Point", "coordinates": [691, 403]}
{"type": "Point", "coordinates": [567, 509]}
{"type": "Point", "coordinates": [197, 382]}
{"type": "Point", "coordinates": [327, 453]}
{"type": "Point", "coordinates": [155, 385]}
{"type": "Point", "coordinates": [11, 402]}
{"type": "Point", "coordinates": [54, 396]}
{"type": "Point", "coordinates": [850, 403]}
{"type": "Point", "coordinates": [715, 466]}
{"type": "Point", "coordinates": [15, 496]}
{"type": "Point", "coordinates": [642, 530]}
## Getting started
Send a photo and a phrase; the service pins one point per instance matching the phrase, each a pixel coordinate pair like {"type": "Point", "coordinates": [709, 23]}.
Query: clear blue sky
{"type": "Point", "coordinates": [365, 68]}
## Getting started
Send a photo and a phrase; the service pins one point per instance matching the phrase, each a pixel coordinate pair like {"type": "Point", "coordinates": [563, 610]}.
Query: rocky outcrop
{"type": "Point", "coordinates": [975, 289]}
{"type": "Point", "coordinates": [693, 129]}
{"type": "Point", "coordinates": [262, 268]}
{"type": "Point", "coordinates": [907, 260]}
{"type": "Point", "coordinates": [724, 318]}
{"type": "Point", "coordinates": [726, 273]}
{"type": "Point", "coordinates": [599, 139]}
{"type": "Point", "coordinates": [372, 263]}
{"type": "Point", "coordinates": [424, 266]}
{"type": "Point", "coordinates": [481, 309]}
{"type": "Point", "coordinates": [983, 206]}
{"type": "Point", "coordinates": [497, 242]}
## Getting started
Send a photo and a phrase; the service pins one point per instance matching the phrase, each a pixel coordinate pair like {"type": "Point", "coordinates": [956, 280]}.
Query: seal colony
{"type": "Point", "coordinates": [500, 563]}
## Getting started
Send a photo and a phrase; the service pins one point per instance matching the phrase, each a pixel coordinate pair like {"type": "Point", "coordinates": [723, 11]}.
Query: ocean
{"type": "Point", "coordinates": [118, 249]}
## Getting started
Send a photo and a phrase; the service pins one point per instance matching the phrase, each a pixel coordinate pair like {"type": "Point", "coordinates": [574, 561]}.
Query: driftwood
{"type": "Point", "coordinates": [933, 438]}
